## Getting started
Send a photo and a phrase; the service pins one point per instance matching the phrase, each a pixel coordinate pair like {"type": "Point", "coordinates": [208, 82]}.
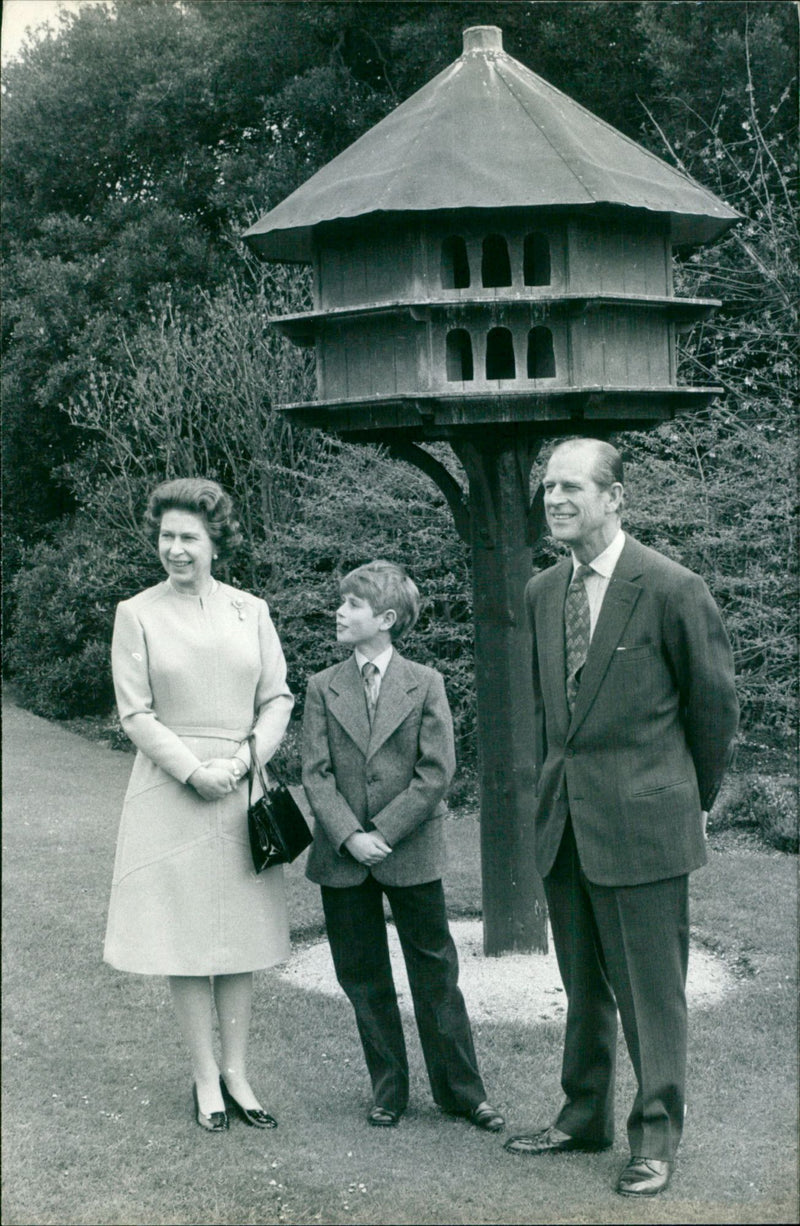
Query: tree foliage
{"type": "Point", "coordinates": [197, 393]}
{"type": "Point", "coordinates": [198, 396]}
{"type": "Point", "coordinates": [136, 145]}
{"type": "Point", "coordinates": [718, 489]}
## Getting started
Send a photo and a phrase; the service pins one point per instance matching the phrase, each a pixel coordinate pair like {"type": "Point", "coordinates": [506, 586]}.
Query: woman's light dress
{"type": "Point", "coordinates": [193, 676]}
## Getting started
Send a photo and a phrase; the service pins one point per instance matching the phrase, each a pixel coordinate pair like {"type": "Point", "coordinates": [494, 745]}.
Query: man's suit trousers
{"type": "Point", "coordinates": [623, 947]}
{"type": "Point", "coordinates": [357, 935]}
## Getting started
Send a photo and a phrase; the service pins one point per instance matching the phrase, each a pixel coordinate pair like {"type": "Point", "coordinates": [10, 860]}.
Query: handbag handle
{"type": "Point", "coordinates": [262, 779]}
{"type": "Point", "coordinates": [255, 768]}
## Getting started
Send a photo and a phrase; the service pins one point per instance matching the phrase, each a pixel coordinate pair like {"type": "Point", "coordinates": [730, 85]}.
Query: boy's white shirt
{"type": "Point", "coordinates": [381, 662]}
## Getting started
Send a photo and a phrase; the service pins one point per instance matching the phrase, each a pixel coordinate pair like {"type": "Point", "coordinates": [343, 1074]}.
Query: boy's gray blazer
{"type": "Point", "coordinates": [392, 777]}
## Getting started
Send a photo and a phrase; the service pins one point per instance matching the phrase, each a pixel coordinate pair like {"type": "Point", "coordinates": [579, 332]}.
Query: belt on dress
{"type": "Point", "coordinates": [222, 734]}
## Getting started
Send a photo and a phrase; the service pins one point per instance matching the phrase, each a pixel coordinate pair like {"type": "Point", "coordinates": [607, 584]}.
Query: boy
{"type": "Point", "coordinates": [378, 757]}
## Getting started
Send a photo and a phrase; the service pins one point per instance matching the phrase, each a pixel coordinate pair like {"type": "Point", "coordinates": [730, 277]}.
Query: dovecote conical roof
{"type": "Point", "coordinates": [487, 133]}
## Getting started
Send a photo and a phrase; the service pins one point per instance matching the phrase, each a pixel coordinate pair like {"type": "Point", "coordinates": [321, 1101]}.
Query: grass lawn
{"type": "Point", "coordinates": [97, 1120]}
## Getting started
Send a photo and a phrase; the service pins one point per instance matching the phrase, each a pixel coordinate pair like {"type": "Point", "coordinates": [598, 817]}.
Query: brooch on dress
{"type": "Point", "coordinates": [238, 605]}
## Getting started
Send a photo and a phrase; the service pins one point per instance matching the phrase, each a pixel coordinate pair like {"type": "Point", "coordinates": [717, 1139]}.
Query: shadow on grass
{"type": "Point", "coordinates": [97, 1114]}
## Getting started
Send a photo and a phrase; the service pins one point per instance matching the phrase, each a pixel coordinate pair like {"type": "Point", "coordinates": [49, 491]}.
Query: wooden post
{"type": "Point", "coordinates": [514, 908]}
{"type": "Point", "coordinates": [496, 519]}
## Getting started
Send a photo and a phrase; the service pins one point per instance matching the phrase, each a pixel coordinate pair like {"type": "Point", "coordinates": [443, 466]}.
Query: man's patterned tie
{"type": "Point", "coordinates": [576, 630]}
{"type": "Point", "coordinates": [369, 672]}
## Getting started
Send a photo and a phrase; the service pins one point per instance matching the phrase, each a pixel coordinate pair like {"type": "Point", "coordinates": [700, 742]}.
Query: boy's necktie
{"type": "Point", "coordinates": [577, 627]}
{"type": "Point", "coordinates": [369, 672]}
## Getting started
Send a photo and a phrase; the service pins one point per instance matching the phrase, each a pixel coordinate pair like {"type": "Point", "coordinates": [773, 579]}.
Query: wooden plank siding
{"type": "Point", "coordinates": [387, 299]}
{"type": "Point", "coordinates": [616, 259]}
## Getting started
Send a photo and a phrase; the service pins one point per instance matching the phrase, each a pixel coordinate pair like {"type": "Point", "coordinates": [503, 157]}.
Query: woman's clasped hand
{"type": "Point", "coordinates": [216, 778]}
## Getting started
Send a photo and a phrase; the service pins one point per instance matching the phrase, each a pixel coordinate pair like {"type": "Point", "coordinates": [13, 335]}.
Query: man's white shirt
{"type": "Point", "coordinates": [597, 583]}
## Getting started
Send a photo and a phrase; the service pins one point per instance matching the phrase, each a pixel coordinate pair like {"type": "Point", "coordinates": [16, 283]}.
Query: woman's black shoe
{"type": "Point", "coordinates": [251, 1115]}
{"type": "Point", "coordinates": [217, 1121]}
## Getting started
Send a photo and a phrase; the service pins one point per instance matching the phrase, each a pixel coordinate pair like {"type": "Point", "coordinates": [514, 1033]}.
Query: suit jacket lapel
{"type": "Point", "coordinates": [395, 701]}
{"type": "Point", "coordinates": [618, 604]}
{"type": "Point", "coordinates": [348, 703]}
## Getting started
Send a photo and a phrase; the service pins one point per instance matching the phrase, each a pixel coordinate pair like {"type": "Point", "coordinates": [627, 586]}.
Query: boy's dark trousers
{"type": "Point", "coordinates": [357, 935]}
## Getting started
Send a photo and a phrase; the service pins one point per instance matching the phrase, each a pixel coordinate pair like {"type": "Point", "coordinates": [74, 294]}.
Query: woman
{"type": "Point", "coordinates": [197, 668]}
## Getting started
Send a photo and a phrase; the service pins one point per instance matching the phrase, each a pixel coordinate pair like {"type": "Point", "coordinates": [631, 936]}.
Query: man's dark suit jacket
{"type": "Point", "coordinates": [652, 727]}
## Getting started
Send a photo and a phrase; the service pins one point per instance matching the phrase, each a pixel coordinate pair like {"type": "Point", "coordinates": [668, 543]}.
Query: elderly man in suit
{"type": "Point", "coordinates": [635, 718]}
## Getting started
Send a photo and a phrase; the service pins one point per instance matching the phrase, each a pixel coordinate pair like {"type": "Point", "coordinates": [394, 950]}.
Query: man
{"type": "Point", "coordinates": [635, 717]}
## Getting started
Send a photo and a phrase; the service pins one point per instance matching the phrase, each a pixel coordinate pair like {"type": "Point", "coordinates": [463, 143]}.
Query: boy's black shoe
{"type": "Point", "coordinates": [382, 1117]}
{"type": "Point", "coordinates": [487, 1117]}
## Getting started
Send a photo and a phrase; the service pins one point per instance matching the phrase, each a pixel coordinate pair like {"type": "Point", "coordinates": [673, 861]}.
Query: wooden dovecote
{"type": "Point", "coordinates": [491, 252]}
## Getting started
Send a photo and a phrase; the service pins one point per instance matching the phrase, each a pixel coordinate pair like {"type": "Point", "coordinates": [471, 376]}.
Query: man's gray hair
{"type": "Point", "coordinates": [607, 467]}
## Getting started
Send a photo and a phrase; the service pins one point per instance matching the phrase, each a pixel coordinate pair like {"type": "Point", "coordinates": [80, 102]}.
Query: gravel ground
{"type": "Point", "coordinates": [514, 988]}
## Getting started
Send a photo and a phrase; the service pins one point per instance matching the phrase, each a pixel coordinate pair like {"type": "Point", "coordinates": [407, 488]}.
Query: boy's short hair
{"type": "Point", "coordinates": [385, 585]}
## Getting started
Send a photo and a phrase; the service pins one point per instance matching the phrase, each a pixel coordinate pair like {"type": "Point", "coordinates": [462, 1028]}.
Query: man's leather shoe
{"type": "Point", "coordinates": [382, 1117]}
{"type": "Point", "coordinates": [644, 1177]}
{"type": "Point", "coordinates": [549, 1140]}
{"type": "Point", "coordinates": [487, 1117]}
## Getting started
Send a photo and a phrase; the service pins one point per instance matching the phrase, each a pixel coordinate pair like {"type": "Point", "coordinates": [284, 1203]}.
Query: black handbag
{"type": "Point", "coordinates": [277, 829]}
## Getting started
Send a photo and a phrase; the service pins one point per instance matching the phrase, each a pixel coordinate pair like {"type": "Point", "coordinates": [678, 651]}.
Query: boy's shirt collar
{"type": "Point", "coordinates": [381, 662]}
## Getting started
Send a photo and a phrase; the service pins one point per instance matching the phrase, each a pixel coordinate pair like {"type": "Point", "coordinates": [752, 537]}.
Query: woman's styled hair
{"type": "Point", "coordinates": [199, 496]}
{"type": "Point", "coordinates": [385, 585]}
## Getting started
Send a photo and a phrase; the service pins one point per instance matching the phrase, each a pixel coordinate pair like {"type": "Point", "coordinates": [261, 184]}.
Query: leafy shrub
{"type": "Point", "coordinates": [65, 596]}
{"type": "Point", "coordinates": [768, 803]}
{"type": "Point", "coordinates": [717, 489]}
{"type": "Point", "coordinates": [360, 505]}
{"type": "Point", "coordinates": [693, 493]}
{"type": "Point", "coordinates": [103, 729]}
